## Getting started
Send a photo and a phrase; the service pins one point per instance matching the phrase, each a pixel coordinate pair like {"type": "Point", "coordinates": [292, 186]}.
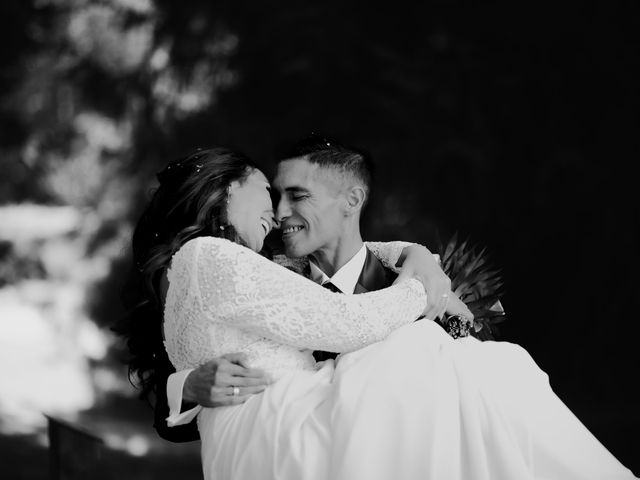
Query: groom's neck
{"type": "Point", "coordinates": [332, 257]}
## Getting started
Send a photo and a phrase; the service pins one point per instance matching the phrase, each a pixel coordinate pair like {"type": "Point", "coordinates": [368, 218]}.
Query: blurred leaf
{"type": "Point", "coordinates": [475, 283]}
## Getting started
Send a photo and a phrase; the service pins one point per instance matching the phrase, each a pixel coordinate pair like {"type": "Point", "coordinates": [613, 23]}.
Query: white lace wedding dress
{"type": "Point", "coordinates": [408, 402]}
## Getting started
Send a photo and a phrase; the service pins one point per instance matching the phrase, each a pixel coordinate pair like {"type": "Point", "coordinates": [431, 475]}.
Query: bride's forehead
{"type": "Point", "coordinates": [257, 177]}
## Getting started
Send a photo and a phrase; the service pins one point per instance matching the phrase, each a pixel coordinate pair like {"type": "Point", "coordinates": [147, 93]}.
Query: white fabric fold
{"type": "Point", "coordinates": [175, 385]}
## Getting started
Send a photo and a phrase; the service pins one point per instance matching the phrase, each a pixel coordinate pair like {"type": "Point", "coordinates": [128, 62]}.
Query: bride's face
{"type": "Point", "coordinates": [250, 209]}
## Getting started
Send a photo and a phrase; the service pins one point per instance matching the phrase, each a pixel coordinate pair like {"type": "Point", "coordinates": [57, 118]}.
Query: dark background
{"type": "Point", "coordinates": [515, 125]}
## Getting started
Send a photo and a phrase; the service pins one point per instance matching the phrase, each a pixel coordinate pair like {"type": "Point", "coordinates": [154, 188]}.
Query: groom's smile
{"type": "Point", "coordinates": [289, 232]}
{"type": "Point", "coordinates": [292, 229]}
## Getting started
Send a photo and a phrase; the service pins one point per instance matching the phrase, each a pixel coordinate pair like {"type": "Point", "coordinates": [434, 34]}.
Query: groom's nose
{"type": "Point", "coordinates": [283, 211]}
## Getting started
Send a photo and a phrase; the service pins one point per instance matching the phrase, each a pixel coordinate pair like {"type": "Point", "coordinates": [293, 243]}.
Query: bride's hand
{"type": "Point", "coordinates": [418, 262]}
{"type": "Point", "coordinates": [455, 306]}
{"type": "Point", "coordinates": [224, 381]}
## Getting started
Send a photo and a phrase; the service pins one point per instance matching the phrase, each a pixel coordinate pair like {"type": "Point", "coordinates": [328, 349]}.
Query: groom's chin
{"type": "Point", "coordinates": [294, 251]}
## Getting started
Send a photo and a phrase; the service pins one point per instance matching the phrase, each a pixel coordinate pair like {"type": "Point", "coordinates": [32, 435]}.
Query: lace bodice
{"type": "Point", "coordinates": [225, 298]}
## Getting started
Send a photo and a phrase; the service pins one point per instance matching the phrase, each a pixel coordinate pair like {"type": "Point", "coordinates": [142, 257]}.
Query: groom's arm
{"type": "Point", "coordinates": [223, 381]}
{"type": "Point", "coordinates": [180, 433]}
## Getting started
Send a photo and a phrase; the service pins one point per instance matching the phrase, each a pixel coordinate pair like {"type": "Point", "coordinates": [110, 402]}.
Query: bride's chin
{"type": "Point", "coordinates": [258, 246]}
{"type": "Point", "coordinates": [252, 244]}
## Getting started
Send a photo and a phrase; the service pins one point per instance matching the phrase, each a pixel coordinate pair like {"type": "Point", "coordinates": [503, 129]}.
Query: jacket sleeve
{"type": "Point", "coordinates": [179, 433]}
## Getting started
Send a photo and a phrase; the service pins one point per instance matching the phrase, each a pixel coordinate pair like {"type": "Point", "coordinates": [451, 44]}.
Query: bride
{"type": "Point", "coordinates": [404, 400]}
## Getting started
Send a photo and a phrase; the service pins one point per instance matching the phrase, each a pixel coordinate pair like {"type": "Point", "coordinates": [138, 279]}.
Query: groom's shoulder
{"type": "Point", "coordinates": [375, 275]}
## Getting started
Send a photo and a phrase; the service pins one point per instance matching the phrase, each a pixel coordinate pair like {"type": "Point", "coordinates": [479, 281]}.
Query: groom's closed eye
{"type": "Point", "coordinates": [296, 194]}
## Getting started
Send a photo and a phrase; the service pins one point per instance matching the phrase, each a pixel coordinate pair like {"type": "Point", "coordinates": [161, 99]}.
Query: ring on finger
{"type": "Point", "coordinates": [235, 391]}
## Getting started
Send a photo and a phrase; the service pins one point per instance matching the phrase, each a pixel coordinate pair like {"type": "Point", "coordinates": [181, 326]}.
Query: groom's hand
{"type": "Point", "coordinates": [212, 384]}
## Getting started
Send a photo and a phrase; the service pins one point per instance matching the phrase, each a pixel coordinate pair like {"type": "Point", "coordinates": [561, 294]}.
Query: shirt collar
{"type": "Point", "coordinates": [346, 277]}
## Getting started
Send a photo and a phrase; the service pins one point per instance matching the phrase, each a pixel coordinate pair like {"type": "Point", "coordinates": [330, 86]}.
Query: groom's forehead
{"type": "Point", "coordinates": [300, 173]}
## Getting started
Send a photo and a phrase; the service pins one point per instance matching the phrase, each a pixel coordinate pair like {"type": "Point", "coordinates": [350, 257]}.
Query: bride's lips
{"type": "Point", "coordinates": [267, 225]}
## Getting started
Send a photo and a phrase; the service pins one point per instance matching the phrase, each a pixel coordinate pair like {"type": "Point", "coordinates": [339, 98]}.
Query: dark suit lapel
{"type": "Point", "coordinates": [374, 275]}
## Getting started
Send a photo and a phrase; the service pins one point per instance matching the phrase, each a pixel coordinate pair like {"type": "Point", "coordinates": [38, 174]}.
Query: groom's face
{"type": "Point", "coordinates": [310, 208]}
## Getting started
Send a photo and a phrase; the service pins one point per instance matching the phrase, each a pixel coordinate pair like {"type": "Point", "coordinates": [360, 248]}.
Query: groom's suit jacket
{"type": "Point", "coordinates": [374, 276]}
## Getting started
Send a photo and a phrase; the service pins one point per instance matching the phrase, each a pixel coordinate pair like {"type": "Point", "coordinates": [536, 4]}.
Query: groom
{"type": "Point", "coordinates": [323, 188]}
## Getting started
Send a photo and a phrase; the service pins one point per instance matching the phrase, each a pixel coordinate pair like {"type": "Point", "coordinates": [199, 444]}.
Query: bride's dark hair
{"type": "Point", "coordinates": [190, 202]}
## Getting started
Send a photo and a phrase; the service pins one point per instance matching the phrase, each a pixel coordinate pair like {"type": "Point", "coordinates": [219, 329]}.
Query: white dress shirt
{"type": "Point", "coordinates": [346, 278]}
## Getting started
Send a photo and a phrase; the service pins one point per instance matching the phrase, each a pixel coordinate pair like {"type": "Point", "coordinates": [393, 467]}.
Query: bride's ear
{"type": "Point", "coordinates": [355, 198]}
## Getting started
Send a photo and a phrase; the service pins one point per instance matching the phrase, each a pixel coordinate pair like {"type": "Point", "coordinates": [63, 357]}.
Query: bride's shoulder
{"type": "Point", "coordinates": [219, 247]}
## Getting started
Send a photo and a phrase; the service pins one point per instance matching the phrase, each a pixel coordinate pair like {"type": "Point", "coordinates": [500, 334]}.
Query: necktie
{"type": "Point", "coordinates": [319, 355]}
{"type": "Point", "coordinates": [330, 286]}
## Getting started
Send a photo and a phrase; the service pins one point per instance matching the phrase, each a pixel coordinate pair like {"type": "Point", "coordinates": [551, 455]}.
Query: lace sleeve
{"type": "Point", "coordinates": [235, 285]}
{"type": "Point", "coordinates": [389, 252]}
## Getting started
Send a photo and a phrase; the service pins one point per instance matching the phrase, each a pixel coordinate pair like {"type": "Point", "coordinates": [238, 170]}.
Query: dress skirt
{"type": "Point", "coordinates": [418, 405]}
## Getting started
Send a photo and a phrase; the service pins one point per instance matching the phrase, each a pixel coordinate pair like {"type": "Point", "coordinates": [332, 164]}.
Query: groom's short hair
{"type": "Point", "coordinates": [329, 153]}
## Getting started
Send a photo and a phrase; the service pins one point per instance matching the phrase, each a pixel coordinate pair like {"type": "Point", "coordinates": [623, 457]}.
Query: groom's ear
{"type": "Point", "coordinates": [355, 198]}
